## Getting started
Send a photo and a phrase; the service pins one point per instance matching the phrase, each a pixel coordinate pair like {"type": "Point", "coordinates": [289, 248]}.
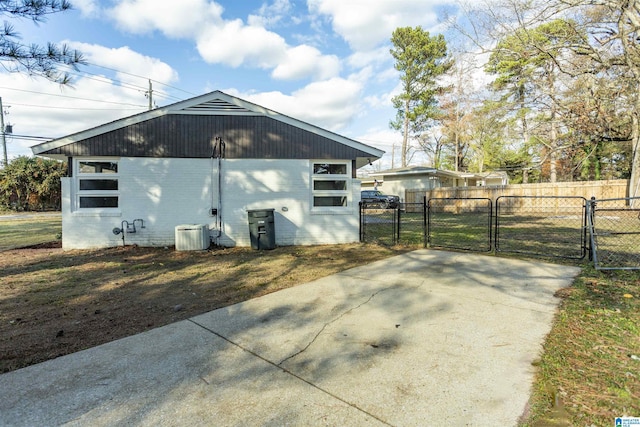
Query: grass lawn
{"type": "Point", "coordinates": [589, 372]}
{"type": "Point", "coordinates": [28, 230]}
{"type": "Point", "coordinates": [54, 302]}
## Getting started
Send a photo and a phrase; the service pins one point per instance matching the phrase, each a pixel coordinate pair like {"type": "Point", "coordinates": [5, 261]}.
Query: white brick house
{"type": "Point", "coordinates": [208, 160]}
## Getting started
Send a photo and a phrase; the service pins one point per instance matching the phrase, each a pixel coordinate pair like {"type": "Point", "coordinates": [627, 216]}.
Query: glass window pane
{"type": "Point", "coordinates": [329, 201]}
{"type": "Point", "coordinates": [98, 202]}
{"type": "Point", "coordinates": [338, 184]}
{"type": "Point", "coordinates": [98, 184]}
{"type": "Point", "coordinates": [98, 167]}
{"type": "Point", "coordinates": [329, 169]}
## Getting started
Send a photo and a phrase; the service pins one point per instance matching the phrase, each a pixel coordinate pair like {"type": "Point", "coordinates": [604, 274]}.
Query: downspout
{"type": "Point", "coordinates": [221, 152]}
{"type": "Point", "coordinates": [217, 153]}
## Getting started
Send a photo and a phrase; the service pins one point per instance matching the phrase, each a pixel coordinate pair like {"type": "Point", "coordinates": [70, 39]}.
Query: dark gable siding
{"type": "Point", "coordinates": [193, 136]}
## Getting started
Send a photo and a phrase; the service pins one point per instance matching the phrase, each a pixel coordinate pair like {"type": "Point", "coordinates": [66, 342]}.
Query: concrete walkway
{"type": "Point", "coordinates": [424, 338]}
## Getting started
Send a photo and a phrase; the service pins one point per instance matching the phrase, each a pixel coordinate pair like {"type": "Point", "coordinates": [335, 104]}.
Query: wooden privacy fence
{"type": "Point", "coordinates": [610, 189]}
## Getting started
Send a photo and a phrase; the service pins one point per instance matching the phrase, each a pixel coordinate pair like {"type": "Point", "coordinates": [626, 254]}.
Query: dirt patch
{"type": "Point", "coordinates": [55, 302]}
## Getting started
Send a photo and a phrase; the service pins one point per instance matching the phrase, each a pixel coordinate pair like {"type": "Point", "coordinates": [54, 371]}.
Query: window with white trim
{"type": "Point", "coordinates": [97, 184]}
{"type": "Point", "coordinates": [330, 185]}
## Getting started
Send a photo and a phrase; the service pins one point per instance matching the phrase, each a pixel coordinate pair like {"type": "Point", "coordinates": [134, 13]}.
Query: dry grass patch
{"type": "Point", "coordinates": [54, 303]}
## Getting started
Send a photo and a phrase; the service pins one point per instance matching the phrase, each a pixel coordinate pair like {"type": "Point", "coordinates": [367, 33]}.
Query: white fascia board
{"type": "Point", "coordinates": [411, 172]}
{"type": "Point", "coordinates": [456, 174]}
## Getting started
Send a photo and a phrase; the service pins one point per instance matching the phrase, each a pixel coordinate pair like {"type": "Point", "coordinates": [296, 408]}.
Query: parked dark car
{"type": "Point", "coordinates": [375, 197]}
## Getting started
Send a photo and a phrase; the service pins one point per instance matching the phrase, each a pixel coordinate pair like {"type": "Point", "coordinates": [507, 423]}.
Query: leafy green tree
{"type": "Point", "coordinates": [527, 65]}
{"type": "Point", "coordinates": [35, 59]}
{"type": "Point", "coordinates": [30, 183]}
{"type": "Point", "coordinates": [487, 138]}
{"type": "Point", "coordinates": [421, 60]}
{"type": "Point", "coordinates": [614, 49]}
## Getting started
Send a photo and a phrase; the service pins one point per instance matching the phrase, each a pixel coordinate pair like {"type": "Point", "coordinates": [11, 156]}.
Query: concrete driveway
{"type": "Point", "coordinates": [424, 338]}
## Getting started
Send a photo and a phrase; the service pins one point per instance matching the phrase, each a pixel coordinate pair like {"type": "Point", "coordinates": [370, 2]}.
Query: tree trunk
{"type": "Point", "coordinates": [634, 181]}
{"type": "Point", "coordinates": [438, 153]}
{"type": "Point", "coordinates": [553, 146]}
{"type": "Point", "coordinates": [457, 145]}
{"type": "Point", "coordinates": [405, 135]}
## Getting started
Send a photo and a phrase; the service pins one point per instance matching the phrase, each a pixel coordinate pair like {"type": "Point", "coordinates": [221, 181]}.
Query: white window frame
{"type": "Point", "coordinates": [331, 193]}
{"type": "Point", "coordinates": [79, 175]}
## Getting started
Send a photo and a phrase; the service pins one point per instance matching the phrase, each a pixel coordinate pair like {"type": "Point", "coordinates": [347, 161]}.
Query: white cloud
{"type": "Point", "coordinates": [302, 61]}
{"type": "Point", "coordinates": [229, 42]}
{"type": "Point", "coordinates": [270, 14]}
{"type": "Point", "coordinates": [126, 60]}
{"type": "Point", "coordinates": [176, 19]}
{"type": "Point", "coordinates": [365, 24]}
{"type": "Point", "coordinates": [87, 7]}
{"type": "Point", "coordinates": [377, 56]}
{"type": "Point", "coordinates": [237, 44]}
{"type": "Point", "coordinates": [331, 104]}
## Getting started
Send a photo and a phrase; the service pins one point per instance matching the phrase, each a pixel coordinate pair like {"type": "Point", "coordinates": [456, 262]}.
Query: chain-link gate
{"type": "Point", "coordinates": [542, 226]}
{"type": "Point", "coordinates": [615, 233]}
{"type": "Point", "coordinates": [459, 223]}
{"type": "Point", "coordinates": [412, 224]}
{"type": "Point", "coordinates": [378, 225]}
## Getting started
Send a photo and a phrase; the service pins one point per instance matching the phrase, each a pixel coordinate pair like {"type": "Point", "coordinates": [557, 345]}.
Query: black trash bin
{"type": "Point", "coordinates": [261, 229]}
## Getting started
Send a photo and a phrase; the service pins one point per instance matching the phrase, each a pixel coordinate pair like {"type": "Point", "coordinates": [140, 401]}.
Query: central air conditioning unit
{"type": "Point", "coordinates": [192, 237]}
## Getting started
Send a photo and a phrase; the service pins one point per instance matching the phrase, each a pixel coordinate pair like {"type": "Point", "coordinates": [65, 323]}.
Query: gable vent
{"type": "Point", "coordinates": [217, 106]}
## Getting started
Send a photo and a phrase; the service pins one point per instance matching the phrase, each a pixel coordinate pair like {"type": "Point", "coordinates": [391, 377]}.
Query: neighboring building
{"type": "Point", "coordinates": [208, 160]}
{"type": "Point", "coordinates": [396, 181]}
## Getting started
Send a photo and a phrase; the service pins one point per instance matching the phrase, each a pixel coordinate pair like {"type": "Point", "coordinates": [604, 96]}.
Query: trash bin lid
{"type": "Point", "coordinates": [259, 213]}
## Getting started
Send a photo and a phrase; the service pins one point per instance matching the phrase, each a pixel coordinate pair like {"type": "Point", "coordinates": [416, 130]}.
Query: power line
{"type": "Point", "coordinates": [142, 77]}
{"type": "Point", "coordinates": [74, 108]}
{"type": "Point", "coordinates": [126, 85]}
{"type": "Point", "coordinates": [29, 137]}
{"type": "Point", "coordinates": [71, 97]}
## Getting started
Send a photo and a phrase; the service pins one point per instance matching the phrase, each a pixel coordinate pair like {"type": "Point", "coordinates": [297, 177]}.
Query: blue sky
{"type": "Point", "coordinates": [326, 62]}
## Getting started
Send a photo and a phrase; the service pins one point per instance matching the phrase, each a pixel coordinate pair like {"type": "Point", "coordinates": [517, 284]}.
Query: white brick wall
{"type": "Point", "coordinates": [165, 193]}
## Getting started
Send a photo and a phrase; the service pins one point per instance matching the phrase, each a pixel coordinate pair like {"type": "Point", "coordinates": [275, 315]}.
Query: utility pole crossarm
{"type": "Point", "coordinates": [150, 92]}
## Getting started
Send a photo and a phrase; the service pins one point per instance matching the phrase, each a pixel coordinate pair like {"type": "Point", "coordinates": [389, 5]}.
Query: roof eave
{"type": "Point", "coordinates": [179, 107]}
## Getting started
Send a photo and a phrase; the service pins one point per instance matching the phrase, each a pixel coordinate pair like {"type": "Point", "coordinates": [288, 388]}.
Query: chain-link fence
{"type": "Point", "coordinates": [541, 226]}
{"type": "Point", "coordinates": [615, 233]}
{"type": "Point", "coordinates": [378, 225]}
{"type": "Point", "coordinates": [459, 224]}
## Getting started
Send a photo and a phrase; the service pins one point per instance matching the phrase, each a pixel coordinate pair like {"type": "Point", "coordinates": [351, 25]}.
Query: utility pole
{"type": "Point", "coordinates": [393, 154]}
{"type": "Point", "coordinates": [4, 140]}
{"type": "Point", "coordinates": [150, 95]}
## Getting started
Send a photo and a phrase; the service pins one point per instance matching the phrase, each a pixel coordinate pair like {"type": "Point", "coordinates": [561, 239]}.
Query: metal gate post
{"type": "Point", "coordinates": [399, 220]}
{"type": "Point", "coordinates": [361, 225]}
{"type": "Point", "coordinates": [590, 217]}
{"type": "Point", "coordinates": [424, 221]}
{"type": "Point", "coordinates": [490, 225]}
